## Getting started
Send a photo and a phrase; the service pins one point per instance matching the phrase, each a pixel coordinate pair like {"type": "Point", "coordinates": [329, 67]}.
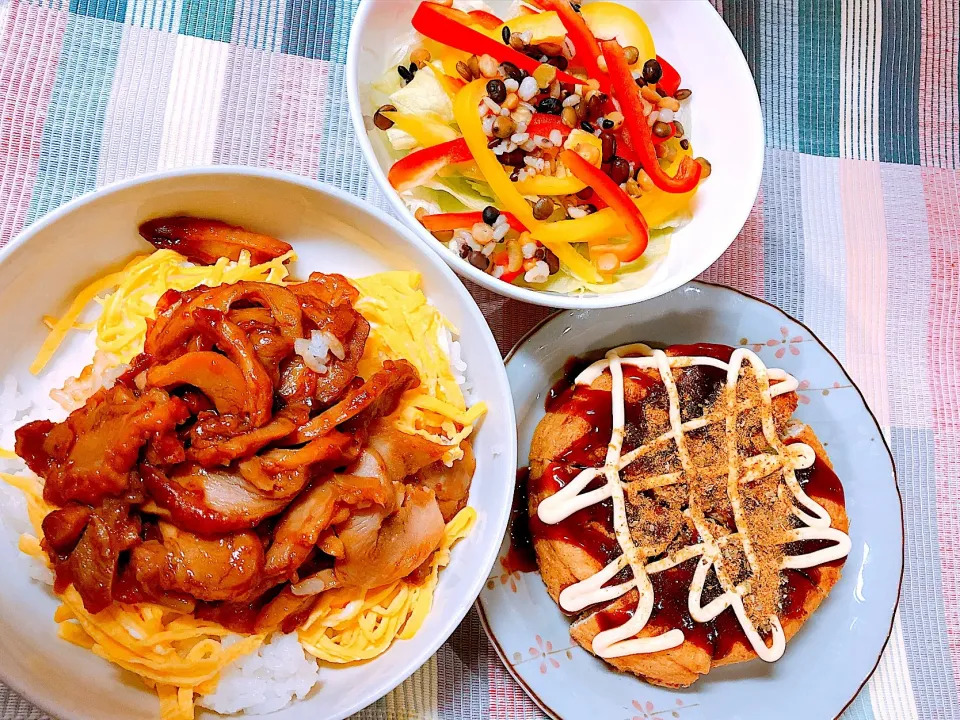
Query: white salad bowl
{"type": "Point", "coordinates": [42, 270]}
{"type": "Point", "coordinates": [726, 127]}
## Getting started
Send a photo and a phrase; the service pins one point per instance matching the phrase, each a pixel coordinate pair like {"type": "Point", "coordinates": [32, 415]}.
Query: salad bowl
{"type": "Point", "coordinates": [722, 119]}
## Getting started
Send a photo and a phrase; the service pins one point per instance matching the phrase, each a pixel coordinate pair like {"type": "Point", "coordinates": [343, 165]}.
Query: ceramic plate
{"type": "Point", "coordinates": [827, 663]}
{"type": "Point", "coordinates": [40, 272]}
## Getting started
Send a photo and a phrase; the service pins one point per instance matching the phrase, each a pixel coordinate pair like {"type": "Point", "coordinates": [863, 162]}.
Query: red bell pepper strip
{"type": "Point", "coordinates": [442, 24]}
{"type": "Point", "coordinates": [419, 167]}
{"type": "Point", "coordinates": [616, 198]}
{"type": "Point", "coordinates": [641, 137]}
{"type": "Point", "coordinates": [485, 19]}
{"type": "Point", "coordinates": [588, 50]}
{"type": "Point", "coordinates": [545, 123]}
{"type": "Point", "coordinates": [670, 79]}
{"type": "Point", "coordinates": [454, 221]}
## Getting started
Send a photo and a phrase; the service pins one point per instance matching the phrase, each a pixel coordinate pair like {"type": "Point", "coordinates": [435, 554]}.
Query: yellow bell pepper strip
{"type": "Point", "coordinates": [628, 94]}
{"type": "Point", "coordinates": [453, 221]}
{"type": "Point", "coordinates": [444, 25]}
{"type": "Point", "coordinates": [611, 20]}
{"type": "Point", "coordinates": [619, 202]}
{"type": "Point", "coordinates": [427, 129]}
{"type": "Point", "coordinates": [544, 27]}
{"type": "Point", "coordinates": [419, 167]}
{"type": "Point", "coordinates": [588, 50]}
{"type": "Point", "coordinates": [468, 118]}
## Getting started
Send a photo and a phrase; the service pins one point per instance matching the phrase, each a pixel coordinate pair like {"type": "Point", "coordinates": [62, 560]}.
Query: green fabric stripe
{"type": "Point", "coordinates": [73, 130]}
{"type": "Point", "coordinates": [743, 19]}
{"type": "Point", "coordinates": [208, 19]}
{"type": "Point", "coordinates": [818, 77]}
{"type": "Point", "coordinates": [900, 82]}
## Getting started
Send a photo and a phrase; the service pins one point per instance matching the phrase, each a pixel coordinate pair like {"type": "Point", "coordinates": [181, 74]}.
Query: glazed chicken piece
{"type": "Point", "coordinates": [212, 568]}
{"type": "Point", "coordinates": [205, 241]}
{"type": "Point", "coordinates": [90, 454]}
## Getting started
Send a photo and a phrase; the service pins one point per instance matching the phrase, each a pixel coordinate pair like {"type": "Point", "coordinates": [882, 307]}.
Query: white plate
{"type": "Point", "coordinates": [727, 129]}
{"type": "Point", "coordinates": [837, 649]}
{"type": "Point", "coordinates": [42, 269]}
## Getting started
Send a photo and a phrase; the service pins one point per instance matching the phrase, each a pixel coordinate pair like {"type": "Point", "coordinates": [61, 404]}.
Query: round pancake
{"type": "Point", "coordinates": [562, 562]}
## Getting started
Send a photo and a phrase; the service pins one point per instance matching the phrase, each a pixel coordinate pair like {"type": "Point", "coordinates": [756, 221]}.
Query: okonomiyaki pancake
{"type": "Point", "coordinates": [679, 514]}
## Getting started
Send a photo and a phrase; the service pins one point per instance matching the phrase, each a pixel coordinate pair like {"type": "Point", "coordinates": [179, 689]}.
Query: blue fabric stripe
{"type": "Point", "coordinates": [924, 634]}
{"type": "Point", "coordinates": [783, 232]}
{"type": "Point", "coordinates": [308, 28]}
{"type": "Point", "coordinates": [73, 131]}
{"type": "Point", "coordinates": [114, 10]}
{"type": "Point", "coordinates": [900, 82]}
{"type": "Point", "coordinates": [818, 77]}
{"type": "Point", "coordinates": [208, 19]}
{"type": "Point", "coordinates": [743, 19]}
{"type": "Point", "coordinates": [860, 709]}
{"type": "Point", "coordinates": [778, 74]}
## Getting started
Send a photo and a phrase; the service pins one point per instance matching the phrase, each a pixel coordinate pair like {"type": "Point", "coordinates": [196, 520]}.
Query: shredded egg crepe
{"type": "Point", "coordinates": [174, 653]}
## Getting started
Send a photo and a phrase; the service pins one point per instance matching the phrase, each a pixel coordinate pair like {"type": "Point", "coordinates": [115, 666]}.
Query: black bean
{"type": "Point", "coordinates": [543, 208]}
{"type": "Point", "coordinates": [515, 175]}
{"type": "Point", "coordinates": [493, 142]}
{"type": "Point", "coordinates": [594, 106]}
{"type": "Point", "coordinates": [490, 214]}
{"type": "Point", "coordinates": [405, 73]}
{"type": "Point", "coordinates": [585, 194]}
{"type": "Point", "coordinates": [381, 121]}
{"type": "Point", "coordinates": [413, 69]}
{"type": "Point", "coordinates": [548, 256]}
{"type": "Point", "coordinates": [505, 34]}
{"type": "Point", "coordinates": [606, 124]}
{"type": "Point", "coordinates": [652, 72]}
{"type": "Point", "coordinates": [589, 208]}
{"type": "Point", "coordinates": [465, 251]}
{"type": "Point", "coordinates": [609, 146]}
{"type": "Point", "coordinates": [678, 127]}
{"type": "Point", "coordinates": [551, 106]}
{"type": "Point", "coordinates": [685, 144]}
{"type": "Point", "coordinates": [586, 127]}
{"type": "Point", "coordinates": [478, 260]}
{"type": "Point", "coordinates": [619, 170]}
{"type": "Point", "coordinates": [497, 90]}
{"type": "Point", "coordinates": [662, 129]}
{"type": "Point", "coordinates": [575, 6]}
{"type": "Point", "coordinates": [683, 94]}
{"type": "Point", "coordinates": [639, 81]}
{"type": "Point", "coordinates": [514, 158]}
{"type": "Point", "coordinates": [508, 69]}
{"type": "Point", "coordinates": [559, 62]}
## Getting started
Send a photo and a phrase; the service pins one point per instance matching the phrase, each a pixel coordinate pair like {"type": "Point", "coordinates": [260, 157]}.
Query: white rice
{"type": "Point", "coordinates": [317, 349]}
{"type": "Point", "coordinates": [264, 681]}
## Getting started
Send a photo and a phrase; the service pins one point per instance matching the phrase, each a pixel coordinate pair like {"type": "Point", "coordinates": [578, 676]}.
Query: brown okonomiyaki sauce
{"type": "Point", "coordinates": [591, 528]}
{"type": "Point", "coordinates": [520, 555]}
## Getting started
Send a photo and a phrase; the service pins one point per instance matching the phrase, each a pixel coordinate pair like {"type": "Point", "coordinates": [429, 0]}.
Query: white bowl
{"type": "Point", "coordinates": [42, 269]}
{"type": "Point", "coordinates": [727, 129]}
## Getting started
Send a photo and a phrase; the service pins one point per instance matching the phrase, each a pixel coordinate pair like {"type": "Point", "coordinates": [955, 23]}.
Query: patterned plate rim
{"type": "Point", "coordinates": [531, 693]}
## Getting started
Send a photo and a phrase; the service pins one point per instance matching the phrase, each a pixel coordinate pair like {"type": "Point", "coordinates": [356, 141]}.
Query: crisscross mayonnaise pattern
{"type": "Point", "coordinates": [786, 459]}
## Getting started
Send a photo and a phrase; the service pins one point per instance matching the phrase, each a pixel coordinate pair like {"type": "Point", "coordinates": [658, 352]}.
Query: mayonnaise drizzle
{"type": "Point", "coordinates": [622, 640]}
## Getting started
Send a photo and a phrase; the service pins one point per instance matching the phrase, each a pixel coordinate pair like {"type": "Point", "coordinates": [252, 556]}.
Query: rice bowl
{"type": "Point", "coordinates": [352, 687]}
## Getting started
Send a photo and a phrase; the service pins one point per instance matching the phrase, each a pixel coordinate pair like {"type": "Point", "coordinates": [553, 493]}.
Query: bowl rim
{"type": "Point", "coordinates": [498, 517]}
{"type": "Point", "coordinates": [537, 297]}
{"type": "Point", "coordinates": [485, 623]}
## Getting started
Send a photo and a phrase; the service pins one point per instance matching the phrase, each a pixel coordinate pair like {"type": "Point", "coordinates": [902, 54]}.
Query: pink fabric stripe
{"type": "Point", "coordinates": [939, 107]}
{"type": "Point", "coordinates": [742, 264]}
{"type": "Point", "coordinates": [942, 190]}
{"type": "Point", "coordinates": [297, 134]}
{"type": "Point", "coordinates": [29, 52]}
{"type": "Point", "coordinates": [864, 230]}
{"type": "Point", "coordinates": [507, 700]}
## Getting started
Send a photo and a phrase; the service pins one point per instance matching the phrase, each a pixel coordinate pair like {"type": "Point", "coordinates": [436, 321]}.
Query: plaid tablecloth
{"type": "Point", "coordinates": [856, 231]}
